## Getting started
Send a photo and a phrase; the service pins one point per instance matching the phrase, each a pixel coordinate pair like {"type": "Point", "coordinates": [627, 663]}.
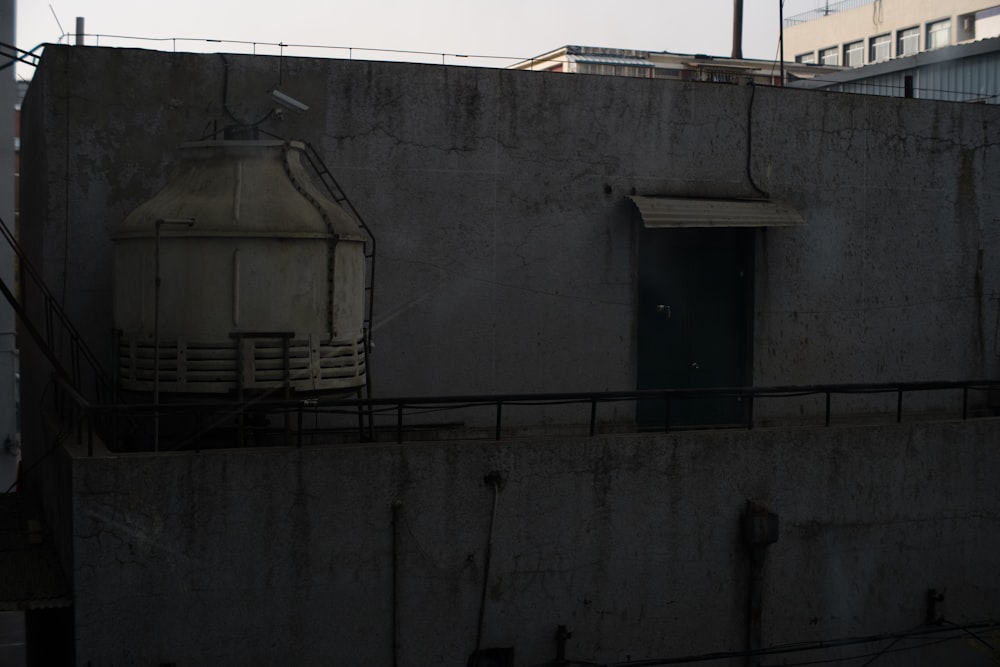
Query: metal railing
{"type": "Point", "coordinates": [826, 9]}
{"type": "Point", "coordinates": [399, 417]}
{"type": "Point", "coordinates": [280, 48]}
{"type": "Point", "coordinates": [57, 332]}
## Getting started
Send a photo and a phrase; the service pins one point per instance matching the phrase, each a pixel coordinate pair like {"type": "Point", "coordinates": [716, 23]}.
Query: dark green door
{"type": "Point", "coordinates": [695, 309]}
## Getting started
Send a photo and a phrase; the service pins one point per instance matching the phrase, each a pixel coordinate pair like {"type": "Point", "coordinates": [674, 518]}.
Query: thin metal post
{"type": "Point", "coordinates": [666, 416]}
{"type": "Point", "coordinates": [77, 418]}
{"type": "Point", "coordinates": [399, 422]}
{"type": "Point", "coordinates": [298, 430]}
{"type": "Point", "coordinates": [288, 382]}
{"type": "Point", "coordinates": [48, 320]}
{"type": "Point", "coordinates": [156, 327]}
{"type": "Point", "coordinates": [156, 340]}
{"type": "Point", "coordinates": [90, 434]}
{"type": "Point", "coordinates": [781, 39]}
{"type": "Point", "coordinates": [361, 414]}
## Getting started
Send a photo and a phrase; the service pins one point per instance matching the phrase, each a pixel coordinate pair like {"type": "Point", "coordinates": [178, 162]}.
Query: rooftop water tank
{"type": "Point", "coordinates": [240, 275]}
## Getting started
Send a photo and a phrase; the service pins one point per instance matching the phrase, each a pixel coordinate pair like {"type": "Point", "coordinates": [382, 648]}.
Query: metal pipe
{"type": "Point", "coordinates": [493, 479]}
{"type": "Point", "coordinates": [156, 340]}
{"type": "Point", "coordinates": [397, 506]}
{"type": "Point", "coordinates": [593, 416]}
{"type": "Point", "coordinates": [156, 327]}
{"type": "Point", "coordinates": [738, 29]}
{"type": "Point", "coordinates": [399, 423]}
{"type": "Point", "coordinates": [79, 31]}
{"type": "Point", "coordinates": [298, 432]}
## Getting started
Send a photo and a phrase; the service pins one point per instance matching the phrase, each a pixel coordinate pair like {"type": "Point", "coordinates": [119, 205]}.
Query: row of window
{"type": "Point", "coordinates": [852, 54]}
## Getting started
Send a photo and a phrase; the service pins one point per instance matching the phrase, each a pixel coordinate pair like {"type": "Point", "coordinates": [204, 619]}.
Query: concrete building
{"type": "Point", "coordinates": [532, 231]}
{"type": "Point", "coordinates": [666, 65]}
{"type": "Point", "coordinates": [9, 99]}
{"type": "Point", "coordinates": [854, 33]}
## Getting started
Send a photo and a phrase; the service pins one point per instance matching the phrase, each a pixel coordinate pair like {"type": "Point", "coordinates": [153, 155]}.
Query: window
{"type": "Point", "coordinates": [938, 34]}
{"type": "Point", "coordinates": [965, 27]}
{"type": "Point", "coordinates": [907, 42]}
{"type": "Point", "coordinates": [854, 54]}
{"type": "Point", "coordinates": [829, 56]}
{"type": "Point", "coordinates": [878, 48]}
{"type": "Point", "coordinates": [806, 58]}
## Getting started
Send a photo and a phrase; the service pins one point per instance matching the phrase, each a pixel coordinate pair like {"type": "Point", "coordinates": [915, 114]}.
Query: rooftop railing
{"type": "Point", "coordinates": [212, 425]}
{"type": "Point", "coordinates": [825, 10]}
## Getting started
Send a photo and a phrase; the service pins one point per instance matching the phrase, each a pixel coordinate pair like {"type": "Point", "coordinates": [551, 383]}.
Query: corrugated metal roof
{"type": "Point", "coordinates": [601, 59]}
{"type": "Point", "coordinates": [963, 73]}
{"type": "Point", "coordinates": [669, 212]}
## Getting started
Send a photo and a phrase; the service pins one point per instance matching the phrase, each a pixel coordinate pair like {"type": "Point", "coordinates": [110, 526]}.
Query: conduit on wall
{"type": "Point", "coordinates": [760, 530]}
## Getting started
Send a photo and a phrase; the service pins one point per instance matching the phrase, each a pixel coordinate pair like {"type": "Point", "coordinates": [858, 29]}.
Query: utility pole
{"type": "Point", "coordinates": [781, 38]}
{"type": "Point", "coordinates": [737, 29]}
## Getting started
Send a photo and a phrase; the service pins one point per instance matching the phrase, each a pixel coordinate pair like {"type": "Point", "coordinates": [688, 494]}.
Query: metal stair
{"type": "Point", "coordinates": [83, 367]}
{"type": "Point", "coordinates": [328, 180]}
{"type": "Point", "coordinates": [337, 193]}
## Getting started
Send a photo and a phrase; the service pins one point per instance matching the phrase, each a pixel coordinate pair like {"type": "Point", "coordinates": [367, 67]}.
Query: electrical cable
{"type": "Point", "coordinates": [225, 101]}
{"type": "Point", "coordinates": [882, 652]}
{"type": "Point", "coordinates": [971, 634]}
{"type": "Point", "coordinates": [495, 483]}
{"type": "Point", "coordinates": [753, 92]}
{"type": "Point", "coordinates": [842, 659]}
{"type": "Point", "coordinates": [809, 646]}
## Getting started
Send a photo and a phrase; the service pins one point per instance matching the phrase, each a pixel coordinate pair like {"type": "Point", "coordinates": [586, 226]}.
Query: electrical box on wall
{"type": "Point", "coordinates": [760, 527]}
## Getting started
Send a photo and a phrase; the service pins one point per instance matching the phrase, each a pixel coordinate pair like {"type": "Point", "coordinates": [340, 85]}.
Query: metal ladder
{"type": "Point", "coordinates": [56, 322]}
{"type": "Point", "coordinates": [337, 193]}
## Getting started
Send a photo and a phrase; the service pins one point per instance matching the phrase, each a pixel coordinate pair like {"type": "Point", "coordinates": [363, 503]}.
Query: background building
{"type": "Point", "coordinates": [967, 72]}
{"type": "Point", "coordinates": [9, 100]}
{"type": "Point", "coordinates": [665, 65]}
{"type": "Point", "coordinates": [854, 33]}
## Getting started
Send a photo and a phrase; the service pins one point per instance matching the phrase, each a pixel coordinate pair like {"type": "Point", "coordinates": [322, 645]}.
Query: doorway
{"type": "Point", "coordinates": [694, 324]}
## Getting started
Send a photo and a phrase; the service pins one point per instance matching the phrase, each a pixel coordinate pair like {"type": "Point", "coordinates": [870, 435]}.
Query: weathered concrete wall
{"type": "Point", "coordinates": [285, 556]}
{"type": "Point", "coordinates": [507, 263]}
{"type": "Point", "coordinates": [505, 257]}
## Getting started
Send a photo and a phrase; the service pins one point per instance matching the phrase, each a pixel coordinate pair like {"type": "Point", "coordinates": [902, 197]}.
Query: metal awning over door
{"type": "Point", "coordinates": [674, 212]}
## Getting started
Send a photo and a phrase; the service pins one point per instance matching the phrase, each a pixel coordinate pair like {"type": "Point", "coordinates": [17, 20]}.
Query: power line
{"type": "Point", "coordinates": [954, 631]}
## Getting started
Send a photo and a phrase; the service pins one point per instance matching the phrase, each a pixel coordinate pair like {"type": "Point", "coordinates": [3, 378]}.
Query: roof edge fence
{"type": "Point", "coordinates": [824, 11]}
{"type": "Point", "coordinates": [305, 421]}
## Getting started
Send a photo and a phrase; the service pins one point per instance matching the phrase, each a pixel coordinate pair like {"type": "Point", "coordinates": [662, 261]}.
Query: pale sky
{"type": "Point", "coordinates": [508, 30]}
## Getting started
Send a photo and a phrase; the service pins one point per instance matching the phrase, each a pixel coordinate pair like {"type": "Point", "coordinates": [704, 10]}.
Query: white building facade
{"type": "Point", "coordinates": [854, 33]}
